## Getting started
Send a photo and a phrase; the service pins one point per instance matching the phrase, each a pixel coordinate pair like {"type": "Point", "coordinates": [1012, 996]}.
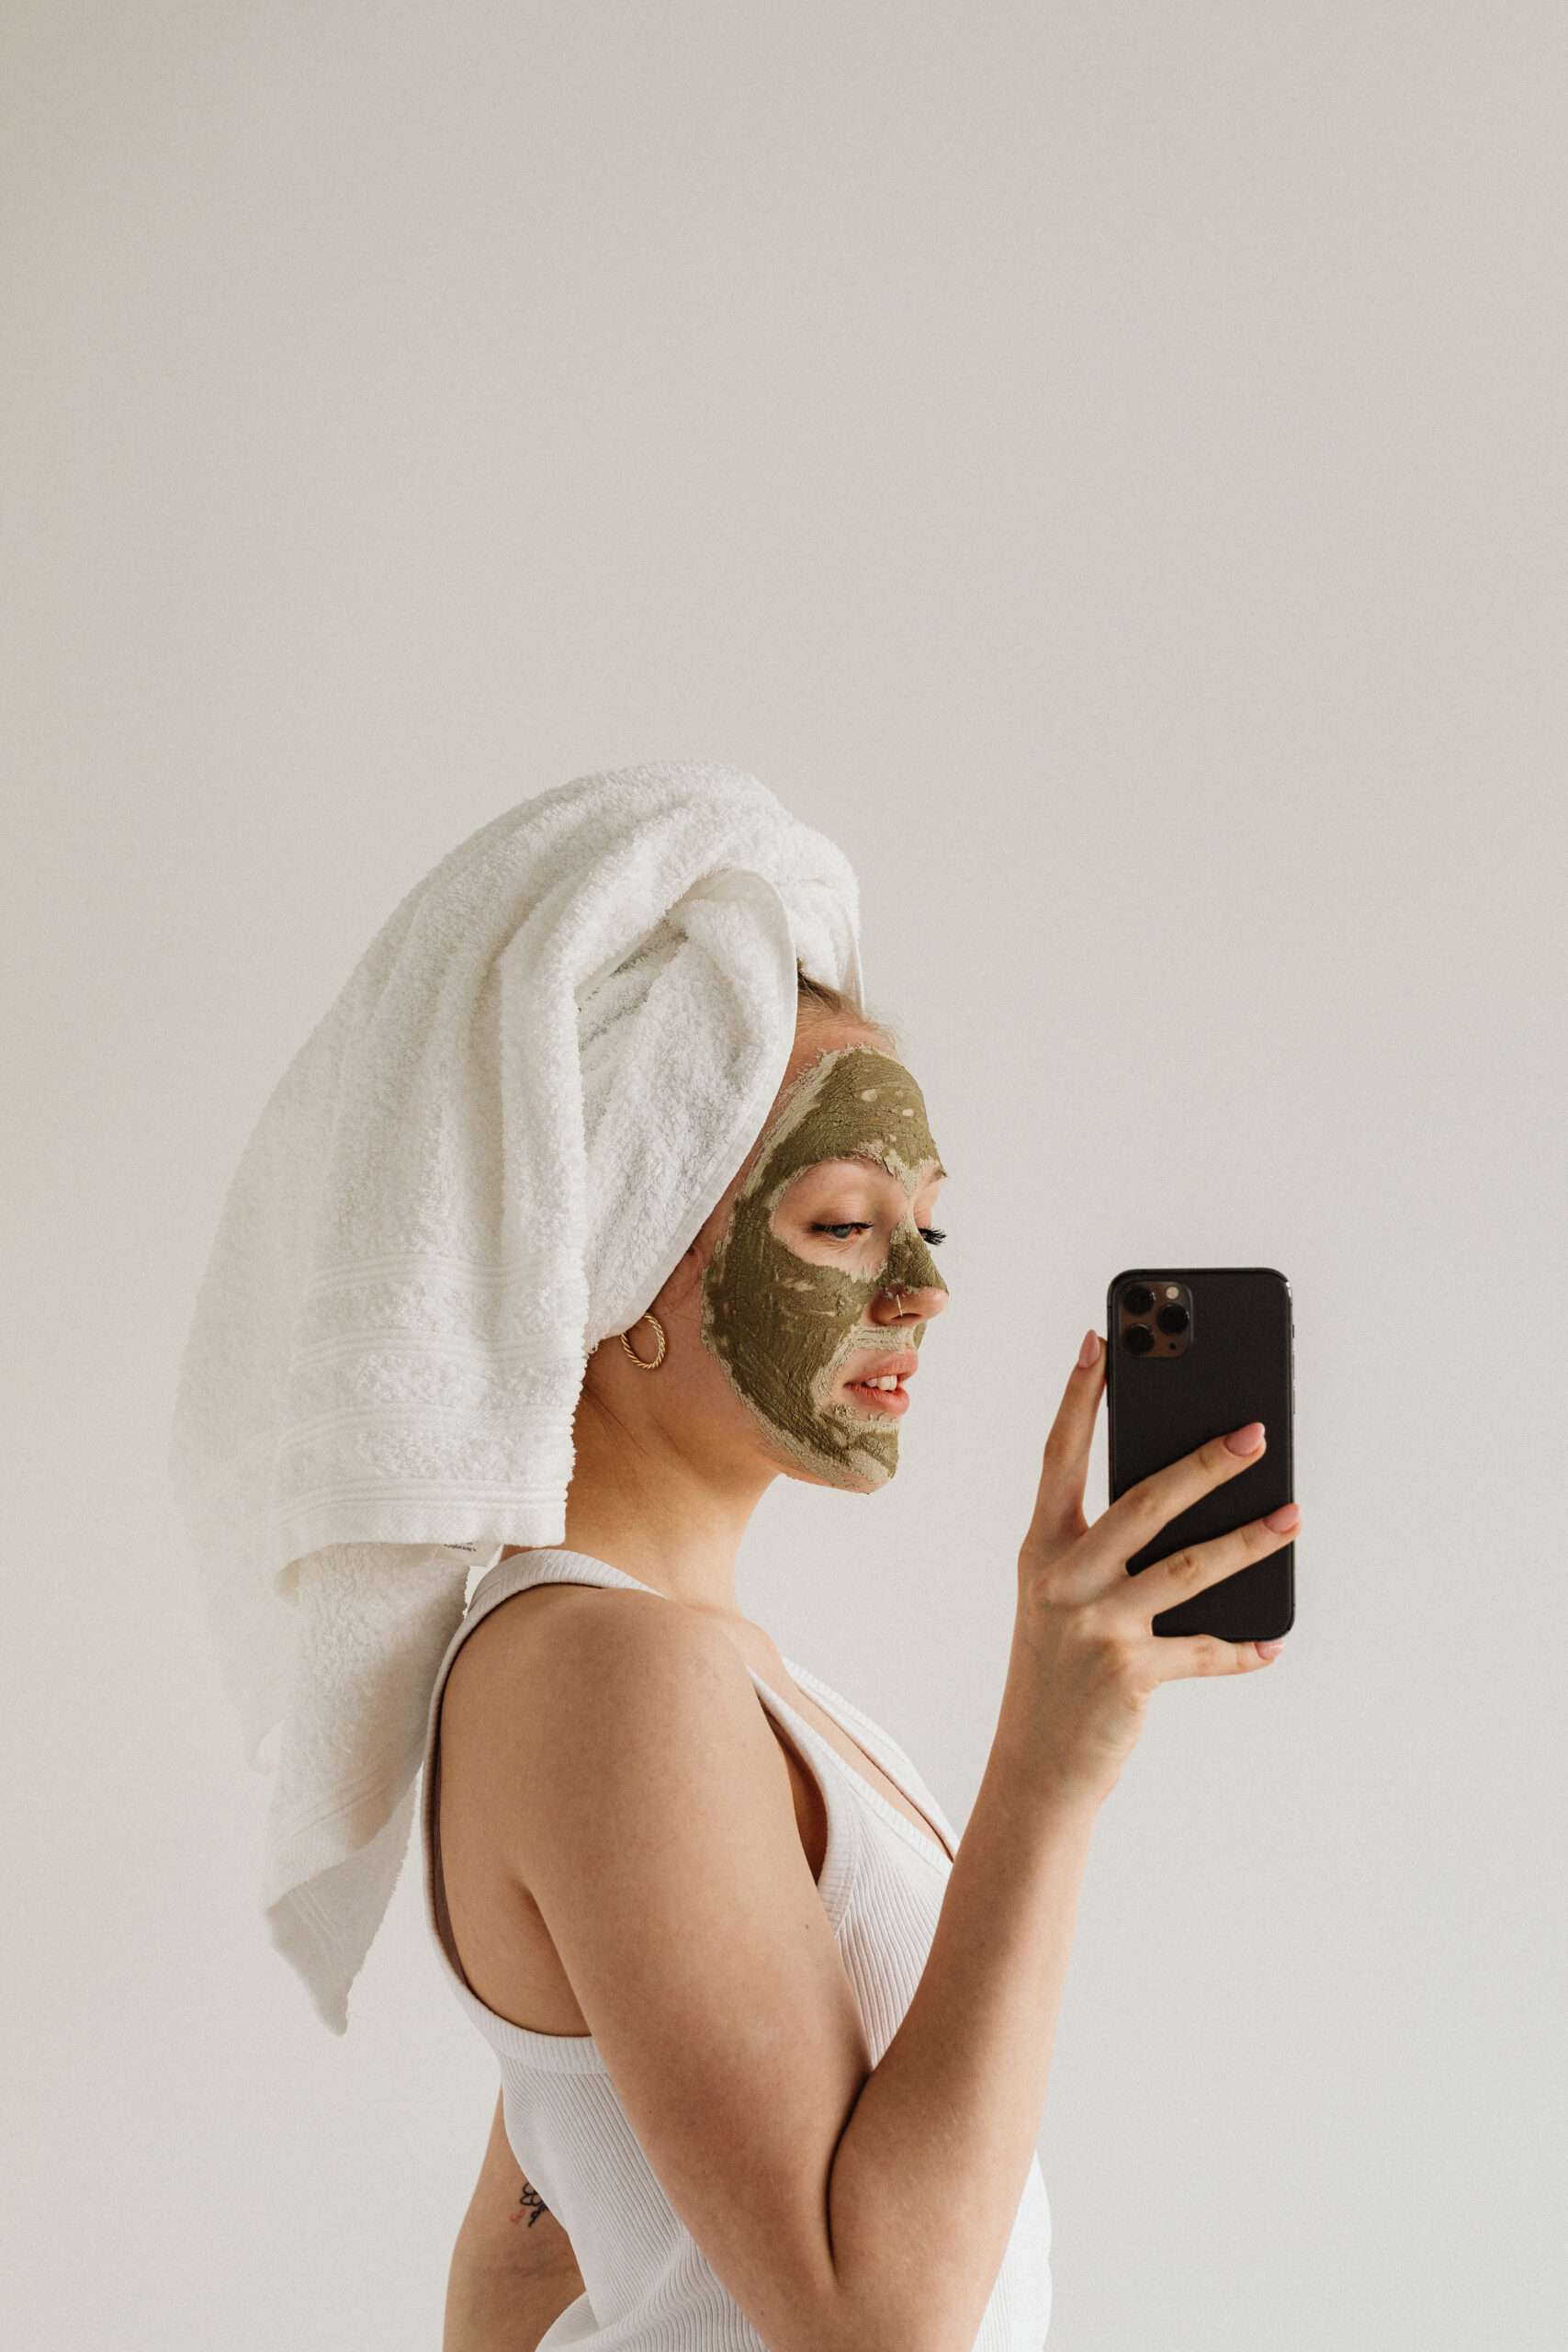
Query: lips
{"type": "Point", "coordinates": [893, 1401]}
{"type": "Point", "coordinates": [903, 1361]}
{"type": "Point", "coordinates": [879, 1400]}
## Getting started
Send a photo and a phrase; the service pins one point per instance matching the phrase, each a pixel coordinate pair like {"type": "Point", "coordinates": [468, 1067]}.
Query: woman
{"type": "Point", "coordinates": [785, 2052]}
{"type": "Point", "coordinates": [773, 2044]}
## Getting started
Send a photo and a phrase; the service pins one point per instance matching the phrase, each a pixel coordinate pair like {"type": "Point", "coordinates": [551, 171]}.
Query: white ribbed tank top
{"type": "Point", "coordinates": [647, 2286]}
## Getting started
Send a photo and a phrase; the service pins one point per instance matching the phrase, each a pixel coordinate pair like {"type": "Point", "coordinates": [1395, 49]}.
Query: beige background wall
{"type": "Point", "coordinates": [1105, 465]}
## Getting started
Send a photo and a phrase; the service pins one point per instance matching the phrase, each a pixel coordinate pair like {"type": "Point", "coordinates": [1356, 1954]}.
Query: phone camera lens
{"type": "Point", "coordinates": [1137, 1339]}
{"type": "Point", "coordinates": [1172, 1318]}
{"type": "Point", "coordinates": [1137, 1298]}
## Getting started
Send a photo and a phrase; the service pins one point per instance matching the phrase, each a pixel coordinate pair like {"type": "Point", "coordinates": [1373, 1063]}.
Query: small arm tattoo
{"type": "Point", "coordinates": [529, 2199]}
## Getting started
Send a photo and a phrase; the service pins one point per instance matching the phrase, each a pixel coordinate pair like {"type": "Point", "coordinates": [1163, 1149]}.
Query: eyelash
{"type": "Point", "coordinates": [927, 1232]}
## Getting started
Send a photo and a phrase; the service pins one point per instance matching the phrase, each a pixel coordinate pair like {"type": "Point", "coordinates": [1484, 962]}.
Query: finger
{"type": "Point", "coordinates": [1064, 1471]}
{"type": "Point", "coordinates": [1182, 1655]}
{"type": "Point", "coordinates": [1134, 1518]}
{"type": "Point", "coordinates": [1164, 1584]}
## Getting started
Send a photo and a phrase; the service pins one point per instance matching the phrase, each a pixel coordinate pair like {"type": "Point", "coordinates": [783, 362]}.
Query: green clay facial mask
{"type": "Point", "coordinates": [785, 1327]}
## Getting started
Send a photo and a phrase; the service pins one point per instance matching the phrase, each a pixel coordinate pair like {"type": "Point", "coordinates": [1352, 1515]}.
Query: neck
{"type": "Point", "coordinates": [671, 1520]}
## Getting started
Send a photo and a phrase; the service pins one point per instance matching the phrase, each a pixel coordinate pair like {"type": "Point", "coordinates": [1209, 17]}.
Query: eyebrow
{"type": "Point", "coordinates": [875, 1159]}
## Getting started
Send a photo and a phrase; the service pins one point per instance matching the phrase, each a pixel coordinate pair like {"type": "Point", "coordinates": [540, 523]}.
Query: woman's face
{"type": "Point", "coordinates": [822, 1274]}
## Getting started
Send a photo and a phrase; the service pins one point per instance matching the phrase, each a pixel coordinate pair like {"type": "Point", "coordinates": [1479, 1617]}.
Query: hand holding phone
{"type": "Point", "coordinates": [1087, 1624]}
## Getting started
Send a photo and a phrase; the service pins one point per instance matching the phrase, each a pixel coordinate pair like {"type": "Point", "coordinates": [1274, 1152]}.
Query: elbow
{"type": "Point", "coordinates": [887, 2329]}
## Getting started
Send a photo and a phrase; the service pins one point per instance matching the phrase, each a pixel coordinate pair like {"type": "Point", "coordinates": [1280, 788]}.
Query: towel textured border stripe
{"type": "Point", "coordinates": [487, 1156]}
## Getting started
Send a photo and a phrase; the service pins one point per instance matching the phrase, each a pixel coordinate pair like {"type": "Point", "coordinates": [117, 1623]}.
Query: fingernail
{"type": "Point", "coordinates": [1269, 1649]}
{"type": "Point", "coordinates": [1089, 1351]}
{"type": "Point", "coordinates": [1248, 1439]}
{"type": "Point", "coordinates": [1282, 1520]}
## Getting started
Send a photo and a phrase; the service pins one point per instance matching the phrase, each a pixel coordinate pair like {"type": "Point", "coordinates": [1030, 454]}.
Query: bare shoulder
{"type": "Point", "coordinates": [532, 1638]}
{"type": "Point", "coordinates": [573, 1689]}
{"type": "Point", "coordinates": [515, 1627]}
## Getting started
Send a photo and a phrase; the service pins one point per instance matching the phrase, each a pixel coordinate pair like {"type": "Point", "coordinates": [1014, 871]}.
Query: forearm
{"type": "Point", "coordinates": [494, 2308]}
{"type": "Point", "coordinates": [513, 2272]}
{"type": "Point", "coordinates": [926, 2182]}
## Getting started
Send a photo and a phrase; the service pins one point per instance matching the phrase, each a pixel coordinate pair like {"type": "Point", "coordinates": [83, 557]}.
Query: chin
{"type": "Point", "coordinates": [859, 1469]}
{"type": "Point", "coordinates": [862, 1475]}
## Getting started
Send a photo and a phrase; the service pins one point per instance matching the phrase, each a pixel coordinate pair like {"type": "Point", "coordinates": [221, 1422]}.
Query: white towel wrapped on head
{"type": "Point", "coordinates": [488, 1156]}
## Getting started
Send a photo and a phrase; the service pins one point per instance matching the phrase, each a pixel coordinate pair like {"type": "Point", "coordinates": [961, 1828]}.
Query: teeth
{"type": "Point", "coordinates": [884, 1380]}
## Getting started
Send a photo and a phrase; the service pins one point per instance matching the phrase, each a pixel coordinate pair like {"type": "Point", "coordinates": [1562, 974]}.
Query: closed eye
{"type": "Point", "coordinates": [927, 1232]}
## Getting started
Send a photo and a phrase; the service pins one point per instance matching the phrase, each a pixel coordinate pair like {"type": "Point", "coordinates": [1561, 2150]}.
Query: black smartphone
{"type": "Point", "coordinates": [1192, 1352]}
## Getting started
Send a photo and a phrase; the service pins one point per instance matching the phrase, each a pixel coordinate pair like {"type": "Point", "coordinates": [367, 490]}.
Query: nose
{"type": "Point", "coordinates": [917, 1304]}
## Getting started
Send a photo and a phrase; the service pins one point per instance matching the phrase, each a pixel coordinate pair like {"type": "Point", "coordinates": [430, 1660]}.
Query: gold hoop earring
{"type": "Point", "coordinates": [648, 1364]}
